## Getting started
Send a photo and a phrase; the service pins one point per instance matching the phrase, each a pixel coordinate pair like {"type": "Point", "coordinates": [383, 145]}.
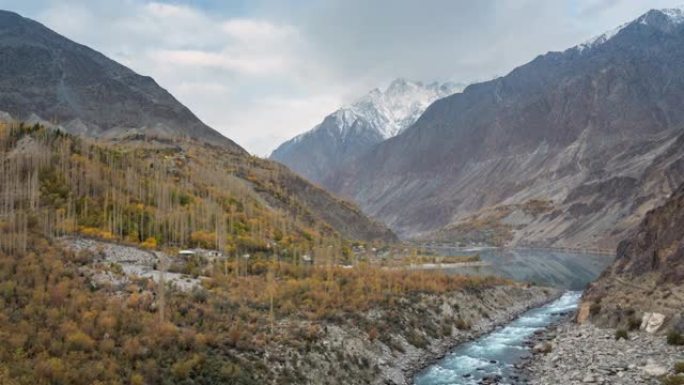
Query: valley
{"type": "Point", "coordinates": [568, 150]}
{"type": "Point", "coordinates": [525, 229]}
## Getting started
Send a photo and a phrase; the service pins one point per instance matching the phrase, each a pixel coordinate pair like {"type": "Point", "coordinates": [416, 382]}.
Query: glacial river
{"type": "Point", "coordinates": [496, 353]}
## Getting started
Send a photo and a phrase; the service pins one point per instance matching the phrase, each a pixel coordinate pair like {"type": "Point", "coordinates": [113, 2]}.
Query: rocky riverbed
{"type": "Point", "coordinates": [585, 354]}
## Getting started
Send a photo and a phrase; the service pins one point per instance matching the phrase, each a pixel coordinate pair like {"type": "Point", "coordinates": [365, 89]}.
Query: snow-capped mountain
{"type": "Point", "coordinates": [353, 129]}
{"type": "Point", "coordinates": [392, 111]}
{"type": "Point", "coordinates": [595, 131]}
{"type": "Point", "coordinates": [660, 19]}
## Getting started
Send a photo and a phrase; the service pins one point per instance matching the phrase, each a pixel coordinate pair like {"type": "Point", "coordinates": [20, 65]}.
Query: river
{"type": "Point", "coordinates": [496, 353]}
{"type": "Point", "coordinates": [566, 270]}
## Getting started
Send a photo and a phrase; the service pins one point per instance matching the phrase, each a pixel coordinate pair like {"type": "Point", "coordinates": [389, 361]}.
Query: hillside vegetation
{"type": "Point", "coordinates": [157, 193]}
{"type": "Point", "coordinates": [57, 328]}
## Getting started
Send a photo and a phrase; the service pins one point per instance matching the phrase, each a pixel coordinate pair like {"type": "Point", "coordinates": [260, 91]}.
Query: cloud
{"type": "Point", "coordinates": [235, 62]}
{"type": "Point", "coordinates": [261, 71]}
{"type": "Point", "coordinates": [457, 40]}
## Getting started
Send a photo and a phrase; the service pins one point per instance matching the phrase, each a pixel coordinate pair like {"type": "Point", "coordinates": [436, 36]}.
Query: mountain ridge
{"type": "Point", "coordinates": [49, 78]}
{"type": "Point", "coordinates": [581, 119]}
{"type": "Point", "coordinates": [354, 128]}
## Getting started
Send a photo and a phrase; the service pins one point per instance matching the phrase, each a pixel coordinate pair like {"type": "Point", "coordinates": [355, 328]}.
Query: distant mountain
{"type": "Point", "coordinates": [351, 130]}
{"type": "Point", "coordinates": [571, 149]}
{"type": "Point", "coordinates": [47, 77]}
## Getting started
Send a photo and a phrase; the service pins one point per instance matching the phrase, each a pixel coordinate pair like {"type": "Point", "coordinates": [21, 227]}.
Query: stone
{"type": "Point", "coordinates": [583, 313]}
{"type": "Point", "coordinates": [654, 370]}
{"type": "Point", "coordinates": [651, 322]}
{"type": "Point", "coordinates": [589, 379]}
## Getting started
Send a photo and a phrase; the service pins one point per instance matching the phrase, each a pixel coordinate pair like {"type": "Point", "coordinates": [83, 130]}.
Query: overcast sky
{"type": "Point", "coordinates": [261, 71]}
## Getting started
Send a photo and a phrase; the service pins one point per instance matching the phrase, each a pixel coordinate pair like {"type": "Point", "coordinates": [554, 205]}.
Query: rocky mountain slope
{"type": "Point", "coordinates": [589, 139]}
{"type": "Point", "coordinates": [47, 77]}
{"type": "Point", "coordinates": [44, 76]}
{"type": "Point", "coordinates": [635, 309]}
{"type": "Point", "coordinates": [352, 130]}
{"type": "Point", "coordinates": [648, 273]}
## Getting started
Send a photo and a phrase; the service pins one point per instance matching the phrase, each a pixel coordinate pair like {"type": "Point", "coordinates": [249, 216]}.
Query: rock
{"type": "Point", "coordinates": [679, 324]}
{"type": "Point", "coordinates": [583, 355]}
{"type": "Point", "coordinates": [491, 379]}
{"type": "Point", "coordinates": [542, 348]}
{"type": "Point", "coordinates": [583, 313]}
{"type": "Point", "coordinates": [654, 370]}
{"type": "Point", "coordinates": [651, 322]}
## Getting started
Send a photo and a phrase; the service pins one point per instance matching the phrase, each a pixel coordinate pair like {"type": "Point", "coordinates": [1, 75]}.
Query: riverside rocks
{"type": "Point", "coordinates": [585, 354]}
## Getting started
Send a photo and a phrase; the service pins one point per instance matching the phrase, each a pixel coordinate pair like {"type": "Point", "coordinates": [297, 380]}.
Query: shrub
{"type": "Point", "coordinates": [621, 334]}
{"type": "Point", "coordinates": [416, 339]}
{"type": "Point", "coordinates": [675, 338]}
{"type": "Point", "coordinates": [79, 341]}
{"type": "Point", "coordinates": [634, 323]}
{"type": "Point", "coordinates": [595, 308]}
{"type": "Point", "coordinates": [372, 334]}
{"type": "Point", "coordinates": [679, 367]}
{"type": "Point", "coordinates": [446, 330]}
{"type": "Point", "coordinates": [462, 324]}
{"type": "Point", "coordinates": [673, 380]}
{"type": "Point", "coordinates": [393, 343]}
{"type": "Point", "coordinates": [137, 379]}
{"type": "Point", "coordinates": [149, 243]}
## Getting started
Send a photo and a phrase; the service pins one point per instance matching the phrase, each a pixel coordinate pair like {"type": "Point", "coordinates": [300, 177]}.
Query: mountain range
{"type": "Point", "coordinates": [48, 79]}
{"type": "Point", "coordinates": [568, 150]}
{"type": "Point", "coordinates": [351, 130]}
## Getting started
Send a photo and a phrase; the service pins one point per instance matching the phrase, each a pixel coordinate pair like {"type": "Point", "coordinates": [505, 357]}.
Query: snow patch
{"type": "Point", "coordinates": [391, 111]}
{"type": "Point", "coordinates": [675, 16]}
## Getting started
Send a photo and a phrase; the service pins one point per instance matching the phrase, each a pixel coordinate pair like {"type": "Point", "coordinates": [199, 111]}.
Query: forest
{"type": "Point", "coordinates": [154, 194]}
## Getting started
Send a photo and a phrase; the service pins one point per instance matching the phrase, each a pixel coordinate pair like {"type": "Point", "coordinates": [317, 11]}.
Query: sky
{"type": "Point", "coordinates": [262, 71]}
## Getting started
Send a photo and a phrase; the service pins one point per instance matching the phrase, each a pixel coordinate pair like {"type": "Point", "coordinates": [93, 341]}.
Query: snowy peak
{"type": "Point", "coordinates": [357, 127]}
{"type": "Point", "coordinates": [670, 15]}
{"type": "Point", "coordinates": [391, 111]}
{"type": "Point", "coordinates": [662, 19]}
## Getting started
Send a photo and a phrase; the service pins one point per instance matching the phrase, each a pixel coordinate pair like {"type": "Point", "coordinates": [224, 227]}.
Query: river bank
{"type": "Point", "coordinates": [586, 354]}
{"type": "Point", "coordinates": [416, 333]}
{"type": "Point", "coordinates": [486, 325]}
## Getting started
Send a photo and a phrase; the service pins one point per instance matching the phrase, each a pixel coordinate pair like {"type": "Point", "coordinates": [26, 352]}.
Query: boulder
{"type": "Point", "coordinates": [583, 313]}
{"type": "Point", "coordinates": [651, 322]}
{"type": "Point", "coordinates": [654, 370]}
